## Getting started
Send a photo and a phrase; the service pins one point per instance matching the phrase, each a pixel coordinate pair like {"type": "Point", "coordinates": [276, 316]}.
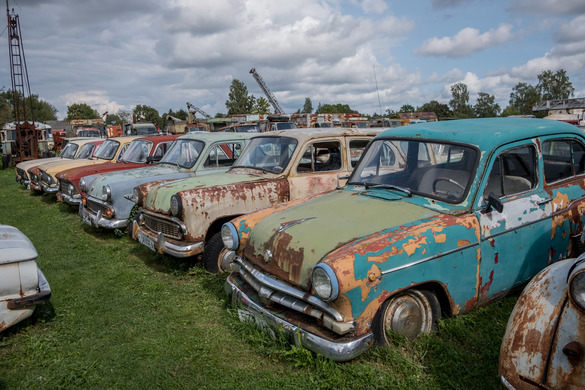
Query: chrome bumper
{"type": "Point", "coordinates": [42, 296]}
{"type": "Point", "coordinates": [49, 190]}
{"type": "Point", "coordinates": [158, 243]}
{"type": "Point", "coordinates": [335, 350]}
{"type": "Point", "coordinates": [97, 220]}
{"type": "Point", "coordinates": [70, 199]}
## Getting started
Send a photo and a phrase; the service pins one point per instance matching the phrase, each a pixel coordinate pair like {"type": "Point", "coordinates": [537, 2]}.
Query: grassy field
{"type": "Point", "coordinates": [121, 317]}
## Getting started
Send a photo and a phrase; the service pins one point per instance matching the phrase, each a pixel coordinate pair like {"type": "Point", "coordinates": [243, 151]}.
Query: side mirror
{"type": "Point", "coordinates": [493, 202]}
{"type": "Point", "coordinates": [153, 159]}
{"type": "Point", "coordinates": [341, 178]}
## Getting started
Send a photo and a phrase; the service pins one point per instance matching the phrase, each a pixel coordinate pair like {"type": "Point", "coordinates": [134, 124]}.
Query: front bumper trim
{"type": "Point", "coordinates": [49, 189]}
{"type": "Point", "coordinates": [161, 245]}
{"type": "Point", "coordinates": [338, 351]}
{"type": "Point", "coordinates": [70, 199]}
{"type": "Point", "coordinates": [97, 220]}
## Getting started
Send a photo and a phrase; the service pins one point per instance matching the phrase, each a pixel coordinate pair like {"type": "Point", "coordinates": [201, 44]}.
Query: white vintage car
{"type": "Point", "coordinates": [22, 283]}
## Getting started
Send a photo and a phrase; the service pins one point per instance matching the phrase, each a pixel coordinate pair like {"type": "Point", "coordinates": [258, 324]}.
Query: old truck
{"type": "Point", "coordinates": [436, 219]}
{"type": "Point", "coordinates": [140, 153]}
{"type": "Point", "coordinates": [108, 203]}
{"type": "Point", "coordinates": [184, 218]}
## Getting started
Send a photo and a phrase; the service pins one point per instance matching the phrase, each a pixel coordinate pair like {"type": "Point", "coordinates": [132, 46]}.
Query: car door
{"type": "Point", "coordinates": [514, 242]}
{"type": "Point", "coordinates": [318, 169]}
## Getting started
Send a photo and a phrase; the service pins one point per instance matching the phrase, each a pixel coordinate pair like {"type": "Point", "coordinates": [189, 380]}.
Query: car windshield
{"type": "Point", "coordinates": [183, 153]}
{"type": "Point", "coordinates": [69, 150]}
{"type": "Point", "coordinates": [138, 151]}
{"type": "Point", "coordinates": [107, 150]}
{"type": "Point", "coordinates": [146, 130]}
{"type": "Point", "coordinates": [247, 129]}
{"type": "Point", "coordinates": [437, 170]}
{"type": "Point", "coordinates": [271, 154]}
{"type": "Point", "coordinates": [86, 151]}
{"type": "Point", "coordinates": [285, 126]}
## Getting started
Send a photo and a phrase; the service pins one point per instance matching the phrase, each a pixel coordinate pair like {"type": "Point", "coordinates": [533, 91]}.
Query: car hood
{"type": "Point", "coordinates": [15, 246]}
{"type": "Point", "coordinates": [123, 182]}
{"type": "Point", "coordinates": [289, 243]}
{"type": "Point", "coordinates": [75, 174]}
{"type": "Point", "coordinates": [25, 165]}
{"type": "Point", "coordinates": [159, 197]}
{"type": "Point", "coordinates": [59, 166]}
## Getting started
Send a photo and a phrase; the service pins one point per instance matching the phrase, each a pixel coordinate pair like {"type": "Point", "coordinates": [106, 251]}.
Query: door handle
{"type": "Point", "coordinates": [544, 201]}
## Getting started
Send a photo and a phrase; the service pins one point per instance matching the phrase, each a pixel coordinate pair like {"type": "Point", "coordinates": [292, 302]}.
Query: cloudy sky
{"type": "Point", "coordinates": [115, 54]}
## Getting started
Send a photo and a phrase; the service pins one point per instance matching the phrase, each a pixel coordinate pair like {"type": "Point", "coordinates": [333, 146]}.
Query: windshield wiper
{"type": "Point", "coordinates": [257, 168]}
{"type": "Point", "coordinates": [389, 187]}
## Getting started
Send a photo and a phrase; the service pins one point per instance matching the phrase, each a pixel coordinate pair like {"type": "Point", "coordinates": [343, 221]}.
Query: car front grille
{"type": "Point", "coordinates": [94, 207]}
{"type": "Point", "coordinates": [65, 187]}
{"type": "Point", "coordinates": [22, 173]}
{"type": "Point", "coordinates": [168, 228]}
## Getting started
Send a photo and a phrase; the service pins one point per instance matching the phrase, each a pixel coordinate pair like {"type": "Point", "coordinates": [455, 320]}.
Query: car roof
{"type": "Point", "coordinates": [305, 133]}
{"type": "Point", "coordinates": [126, 138]}
{"type": "Point", "coordinates": [486, 133]}
{"type": "Point", "coordinates": [216, 136]}
{"type": "Point", "coordinates": [160, 138]}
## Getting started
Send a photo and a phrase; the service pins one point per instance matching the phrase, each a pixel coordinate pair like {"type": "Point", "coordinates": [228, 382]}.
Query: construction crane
{"type": "Point", "coordinates": [192, 108]}
{"type": "Point", "coordinates": [27, 136]}
{"type": "Point", "coordinates": [267, 92]}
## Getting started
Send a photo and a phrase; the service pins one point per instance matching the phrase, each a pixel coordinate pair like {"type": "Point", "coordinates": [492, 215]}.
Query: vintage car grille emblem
{"type": "Point", "coordinates": [167, 228]}
{"type": "Point", "coordinates": [94, 207]}
{"type": "Point", "coordinates": [286, 225]}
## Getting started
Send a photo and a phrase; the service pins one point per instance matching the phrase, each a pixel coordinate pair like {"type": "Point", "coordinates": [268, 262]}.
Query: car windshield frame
{"type": "Point", "coordinates": [254, 147]}
{"type": "Point", "coordinates": [445, 174]}
{"type": "Point", "coordinates": [136, 152]}
{"type": "Point", "coordinates": [106, 150]}
{"type": "Point", "coordinates": [177, 148]}
{"type": "Point", "coordinates": [69, 150]}
{"type": "Point", "coordinates": [86, 151]}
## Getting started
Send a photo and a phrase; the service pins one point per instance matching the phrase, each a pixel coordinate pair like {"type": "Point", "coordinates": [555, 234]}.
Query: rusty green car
{"type": "Point", "coordinates": [436, 219]}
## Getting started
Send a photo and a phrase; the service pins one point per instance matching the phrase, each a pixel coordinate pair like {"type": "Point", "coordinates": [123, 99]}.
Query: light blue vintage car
{"type": "Point", "coordinates": [436, 219]}
{"type": "Point", "coordinates": [110, 200]}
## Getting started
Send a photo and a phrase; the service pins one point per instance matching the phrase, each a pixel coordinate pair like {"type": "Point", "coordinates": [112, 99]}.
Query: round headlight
{"type": "Point", "coordinates": [577, 289]}
{"type": "Point", "coordinates": [229, 236]}
{"type": "Point", "coordinates": [71, 189]}
{"type": "Point", "coordinates": [176, 206]}
{"type": "Point", "coordinates": [325, 282]}
{"type": "Point", "coordinates": [107, 192]}
{"type": "Point", "coordinates": [83, 185]}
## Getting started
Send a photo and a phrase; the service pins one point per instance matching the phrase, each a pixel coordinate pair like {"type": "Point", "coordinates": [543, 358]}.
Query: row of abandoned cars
{"type": "Point", "coordinates": [340, 236]}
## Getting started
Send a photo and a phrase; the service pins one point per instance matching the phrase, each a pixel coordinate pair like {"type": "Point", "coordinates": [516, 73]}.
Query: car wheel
{"type": "Point", "coordinates": [408, 314]}
{"type": "Point", "coordinates": [211, 253]}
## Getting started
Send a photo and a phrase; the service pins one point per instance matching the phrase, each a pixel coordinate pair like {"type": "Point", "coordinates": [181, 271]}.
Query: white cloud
{"type": "Point", "coordinates": [572, 7]}
{"type": "Point", "coordinates": [373, 6]}
{"type": "Point", "coordinates": [97, 100]}
{"type": "Point", "coordinates": [465, 42]}
{"type": "Point", "coordinates": [572, 31]}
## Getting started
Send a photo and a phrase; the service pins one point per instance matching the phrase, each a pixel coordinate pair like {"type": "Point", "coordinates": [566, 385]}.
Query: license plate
{"type": "Point", "coordinates": [145, 240]}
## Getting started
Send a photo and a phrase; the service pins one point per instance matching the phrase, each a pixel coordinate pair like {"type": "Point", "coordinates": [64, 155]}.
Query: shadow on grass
{"type": "Point", "coordinates": [164, 263]}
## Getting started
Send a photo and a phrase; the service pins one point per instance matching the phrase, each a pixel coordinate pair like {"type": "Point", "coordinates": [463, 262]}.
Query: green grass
{"type": "Point", "coordinates": [121, 317]}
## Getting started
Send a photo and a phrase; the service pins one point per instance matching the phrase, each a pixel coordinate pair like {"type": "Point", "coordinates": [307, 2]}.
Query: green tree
{"type": "Point", "coordinates": [308, 106]}
{"type": "Point", "coordinates": [459, 102]}
{"type": "Point", "coordinates": [334, 109]}
{"type": "Point", "coordinates": [114, 119]}
{"type": "Point", "coordinates": [554, 85]}
{"type": "Point", "coordinates": [181, 114]}
{"type": "Point", "coordinates": [522, 99]}
{"type": "Point", "coordinates": [262, 106]}
{"type": "Point", "coordinates": [42, 110]}
{"type": "Point", "coordinates": [144, 113]}
{"type": "Point", "coordinates": [510, 110]}
{"type": "Point", "coordinates": [440, 109]}
{"type": "Point", "coordinates": [81, 111]}
{"type": "Point", "coordinates": [486, 107]}
{"type": "Point", "coordinates": [239, 102]}
{"type": "Point", "coordinates": [406, 108]}
{"type": "Point", "coordinates": [391, 114]}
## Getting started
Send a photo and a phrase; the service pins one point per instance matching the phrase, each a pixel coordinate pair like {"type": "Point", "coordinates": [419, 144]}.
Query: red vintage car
{"type": "Point", "coordinates": [141, 152]}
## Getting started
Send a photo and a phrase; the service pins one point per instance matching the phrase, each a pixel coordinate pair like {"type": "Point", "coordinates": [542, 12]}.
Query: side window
{"type": "Point", "coordinates": [562, 158]}
{"type": "Point", "coordinates": [321, 157]}
{"type": "Point", "coordinates": [223, 155]}
{"type": "Point", "coordinates": [124, 147]}
{"type": "Point", "coordinates": [356, 148]}
{"type": "Point", "coordinates": [513, 171]}
{"type": "Point", "coordinates": [161, 149]}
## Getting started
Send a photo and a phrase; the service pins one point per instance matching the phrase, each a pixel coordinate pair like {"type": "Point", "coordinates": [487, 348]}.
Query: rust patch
{"type": "Point", "coordinates": [461, 243]}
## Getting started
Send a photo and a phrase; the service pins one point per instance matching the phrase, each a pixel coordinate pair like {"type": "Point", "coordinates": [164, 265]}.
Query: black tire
{"type": "Point", "coordinates": [409, 314]}
{"type": "Point", "coordinates": [213, 247]}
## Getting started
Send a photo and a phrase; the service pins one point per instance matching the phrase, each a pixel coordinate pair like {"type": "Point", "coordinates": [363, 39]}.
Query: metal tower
{"type": "Point", "coordinates": [27, 136]}
{"type": "Point", "coordinates": [192, 108]}
{"type": "Point", "coordinates": [267, 92]}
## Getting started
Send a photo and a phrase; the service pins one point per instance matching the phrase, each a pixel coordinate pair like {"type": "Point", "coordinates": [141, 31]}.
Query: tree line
{"type": "Point", "coordinates": [550, 85]}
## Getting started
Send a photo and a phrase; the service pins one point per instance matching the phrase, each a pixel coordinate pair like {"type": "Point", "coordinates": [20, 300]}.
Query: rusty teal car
{"type": "Point", "coordinates": [435, 220]}
{"type": "Point", "coordinates": [544, 343]}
